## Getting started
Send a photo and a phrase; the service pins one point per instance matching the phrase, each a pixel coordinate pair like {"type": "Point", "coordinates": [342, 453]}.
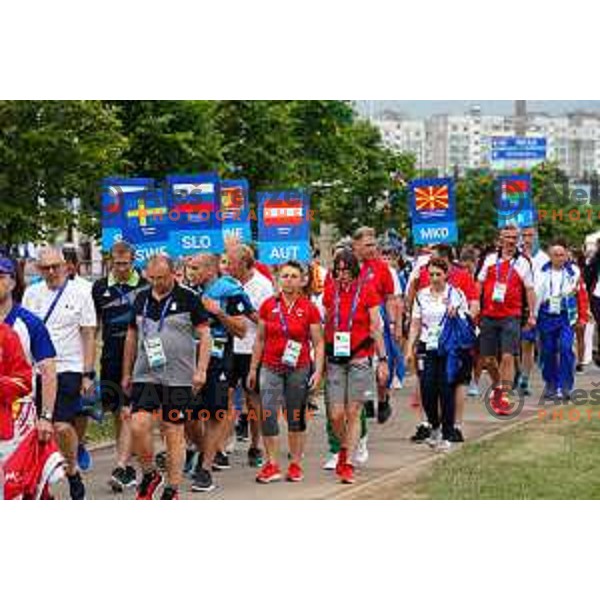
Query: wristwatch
{"type": "Point", "coordinates": [91, 375]}
{"type": "Point", "coordinates": [46, 414]}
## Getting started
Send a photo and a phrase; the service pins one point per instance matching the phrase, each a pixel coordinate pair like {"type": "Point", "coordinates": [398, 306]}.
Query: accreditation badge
{"type": "Point", "coordinates": [155, 352]}
{"type": "Point", "coordinates": [554, 305]}
{"type": "Point", "coordinates": [341, 344]}
{"type": "Point", "coordinates": [499, 292]}
{"type": "Point", "coordinates": [291, 354]}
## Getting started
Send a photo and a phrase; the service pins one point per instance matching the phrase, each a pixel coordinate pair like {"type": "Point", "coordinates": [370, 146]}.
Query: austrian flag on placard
{"type": "Point", "coordinates": [283, 213]}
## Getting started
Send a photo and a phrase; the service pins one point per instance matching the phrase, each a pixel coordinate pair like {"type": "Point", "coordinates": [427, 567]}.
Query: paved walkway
{"type": "Point", "coordinates": [391, 454]}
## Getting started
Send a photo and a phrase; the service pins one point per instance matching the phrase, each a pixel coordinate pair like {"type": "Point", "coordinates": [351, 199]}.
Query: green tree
{"type": "Point", "coordinates": [169, 136]}
{"type": "Point", "coordinates": [52, 152]}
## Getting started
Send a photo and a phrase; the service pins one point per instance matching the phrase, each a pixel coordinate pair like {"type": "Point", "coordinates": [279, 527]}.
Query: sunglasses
{"type": "Point", "coordinates": [48, 268]}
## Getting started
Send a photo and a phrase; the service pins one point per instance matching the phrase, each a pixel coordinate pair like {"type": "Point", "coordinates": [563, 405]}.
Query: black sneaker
{"type": "Point", "coordinates": [221, 462]}
{"type": "Point", "coordinates": [384, 411]}
{"type": "Point", "coordinates": [422, 434]}
{"type": "Point", "coordinates": [457, 436]}
{"type": "Point", "coordinates": [255, 457]}
{"type": "Point", "coordinates": [170, 493]}
{"type": "Point", "coordinates": [202, 481]}
{"type": "Point", "coordinates": [76, 487]}
{"type": "Point", "coordinates": [122, 478]}
{"type": "Point", "coordinates": [579, 368]}
{"type": "Point", "coordinates": [161, 461]}
{"type": "Point", "coordinates": [241, 428]}
{"type": "Point", "coordinates": [370, 409]}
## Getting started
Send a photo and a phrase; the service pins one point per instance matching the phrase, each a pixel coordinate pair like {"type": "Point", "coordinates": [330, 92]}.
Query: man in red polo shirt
{"type": "Point", "coordinates": [503, 276]}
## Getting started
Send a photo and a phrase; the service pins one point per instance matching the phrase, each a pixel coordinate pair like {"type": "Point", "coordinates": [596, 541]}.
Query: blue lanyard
{"type": "Point", "coordinates": [562, 282]}
{"type": "Point", "coordinates": [163, 314]}
{"type": "Point", "coordinates": [510, 270]}
{"type": "Point", "coordinates": [352, 309]}
{"type": "Point", "coordinates": [283, 319]}
{"type": "Point", "coordinates": [123, 294]}
{"type": "Point", "coordinates": [55, 302]}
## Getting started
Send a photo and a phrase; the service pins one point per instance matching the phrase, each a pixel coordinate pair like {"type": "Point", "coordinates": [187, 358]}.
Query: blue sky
{"type": "Point", "coordinates": [422, 108]}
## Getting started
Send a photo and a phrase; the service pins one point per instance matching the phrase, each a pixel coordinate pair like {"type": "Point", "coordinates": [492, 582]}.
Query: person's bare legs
{"type": "Point", "coordinates": [296, 440]}
{"type": "Point", "coordinates": [175, 440]}
{"type": "Point", "coordinates": [141, 440]}
{"type": "Point", "coordinates": [81, 422]}
{"type": "Point", "coordinates": [123, 440]}
{"type": "Point", "coordinates": [68, 441]}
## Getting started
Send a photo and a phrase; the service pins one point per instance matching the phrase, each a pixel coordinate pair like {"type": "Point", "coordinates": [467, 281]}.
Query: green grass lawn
{"type": "Point", "coordinates": [101, 432]}
{"type": "Point", "coordinates": [559, 460]}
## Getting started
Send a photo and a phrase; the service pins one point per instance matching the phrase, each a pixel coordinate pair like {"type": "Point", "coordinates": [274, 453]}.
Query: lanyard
{"type": "Point", "coordinates": [352, 309]}
{"type": "Point", "coordinates": [510, 270]}
{"type": "Point", "coordinates": [122, 293]}
{"type": "Point", "coordinates": [441, 322]}
{"type": "Point", "coordinates": [55, 301]}
{"type": "Point", "coordinates": [283, 319]}
{"type": "Point", "coordinates": [562, 282]}
{"type": "Point", "coordinates": [163, 314]}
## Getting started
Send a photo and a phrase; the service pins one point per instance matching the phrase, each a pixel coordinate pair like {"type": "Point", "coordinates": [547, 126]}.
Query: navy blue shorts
{"type": "Point", "coordinates": [68, 397]}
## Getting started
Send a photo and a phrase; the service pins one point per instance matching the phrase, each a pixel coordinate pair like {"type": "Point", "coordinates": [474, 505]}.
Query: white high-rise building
{"type": "Point", "coordinates": [446, 142]}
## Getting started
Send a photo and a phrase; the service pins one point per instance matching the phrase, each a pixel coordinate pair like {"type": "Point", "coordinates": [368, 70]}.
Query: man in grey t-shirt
{"type": "Point", "coordinates": [161, 372]}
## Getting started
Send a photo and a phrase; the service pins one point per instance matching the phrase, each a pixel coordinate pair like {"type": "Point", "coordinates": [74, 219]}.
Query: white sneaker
{"type": "Point", "coordinates": [230, 446]}
{"type": "Point", "coordinates": [473, 389]}
{"type": "Point", "coordinates": [435, 438]}
{"type": "Point", "coordinates": [331, 462]}
{"type": "Point", "coordinates": [443, 446]}
{"type": "Point", "coordinates": [361, 454]}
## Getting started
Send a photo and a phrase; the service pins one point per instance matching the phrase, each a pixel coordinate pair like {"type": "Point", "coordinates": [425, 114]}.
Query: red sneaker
{"type": "Point", "coordinates": [342, 460]}
{"type": "Point", "coordinates": [346, 473]}
{"type": "Point", "coordinates": [496, 399]}
{"type": "Point", "coordinates": [149, 486]}
{"type": "Point", "coordinates": [269, 472]}
{"type": "Point", "coordinates": [504, 406]}
{"type": "Point", "coordinates": [294, 473]}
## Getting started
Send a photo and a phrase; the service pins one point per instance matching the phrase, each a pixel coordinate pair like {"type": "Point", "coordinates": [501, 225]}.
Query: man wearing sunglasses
{"type": "Point", "coordinates": [68, 312]}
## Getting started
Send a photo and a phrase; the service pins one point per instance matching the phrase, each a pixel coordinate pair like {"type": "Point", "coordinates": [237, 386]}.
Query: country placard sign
{"type": "Point", "coordinates": [194, 212]}
{"type": "Point", "coordinates": [514, 201]}
{"type": "Point", "coordinates": [433, 211]}
{"type": "Point", "coordinates": [235, 209]}
{"type": "Point", "coordinates": [283, 226]}
{"type": "Point", "coordinates": [133, 210]}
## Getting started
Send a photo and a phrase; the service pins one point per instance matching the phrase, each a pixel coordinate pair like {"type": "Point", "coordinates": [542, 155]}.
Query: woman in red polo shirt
{"type": "Point", "coordinates": [288, 324]}
{"type": "Point", "coordinates": [352, 331]}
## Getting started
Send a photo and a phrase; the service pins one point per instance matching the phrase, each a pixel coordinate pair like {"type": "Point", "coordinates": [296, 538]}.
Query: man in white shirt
{"type": "Point", "coordinates": [556, 287]}
{"type": "Point", "coordinates": [258, 288]}
{"type": "Point", "coordinates": [68, 312]}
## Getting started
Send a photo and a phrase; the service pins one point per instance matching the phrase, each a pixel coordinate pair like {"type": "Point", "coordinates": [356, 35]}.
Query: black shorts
{"type": "Point", "coordinates": [173, 404]}
{"type": "Point", "coordinates": [500, 336]}
{"type": "Point", "coordinates": [239, 371]}
{"type": "Point", "coordinates": [111, 393]}
{"type": "Point", "coordinates": [68, 397]}
{"type": "Point", "coordinates": [214, 396]}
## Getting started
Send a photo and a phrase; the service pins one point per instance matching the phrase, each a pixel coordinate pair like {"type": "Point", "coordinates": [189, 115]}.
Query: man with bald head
{"type": "Point", "coordinates": [67, 310]}
{"type": "Point", "coordinates": [162, 372]}
{"type": "Point", "coordinates": [227, 303]}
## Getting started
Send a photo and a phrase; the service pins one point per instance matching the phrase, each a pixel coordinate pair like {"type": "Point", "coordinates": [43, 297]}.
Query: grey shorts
{"type": "Point", "coordinates": [283, 393]}
{"type": "Point", "coordinates": [351, 382]}
{"type": "Point", "coordinates": [500, 336]}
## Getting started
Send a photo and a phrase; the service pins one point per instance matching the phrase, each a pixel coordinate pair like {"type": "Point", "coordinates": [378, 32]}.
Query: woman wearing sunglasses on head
{"type": "Point", "coordinates": [352, 334]}
{"type": "Point", "coordinates": [288, 324]}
